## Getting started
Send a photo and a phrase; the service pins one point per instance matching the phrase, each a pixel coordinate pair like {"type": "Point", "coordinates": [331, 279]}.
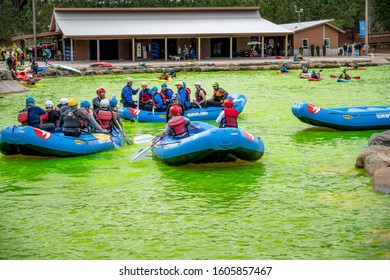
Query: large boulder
{"type": "Point", "coordinates": [373, 157]}
{"type": "Point", "coordinates": [382, 180]}
{"type": "Point", "coordinates": [382, 139]}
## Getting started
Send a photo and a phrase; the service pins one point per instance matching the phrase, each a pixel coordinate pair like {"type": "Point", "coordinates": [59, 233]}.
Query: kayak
{"type": "Point", "coordinates": [304, 75]}
{"type": "Point", "coordinates": [347, 118]}
{"type": "Point", "coordinates": [194, 114]}
{"type": "Point", "coordinates": [101, 64]}
{"type": "Point", "coordinates": [315, 79]}
{"type": "Point", "coordinates": [27, 140]}
{"type": "Point", "coordinates": [353, 68]}
{"type": "Point", "coordinates": [343, 80]}
{"type": "Point", "coordinates": [64, 68]}
{"type": "Point", "coordinates": [209, 144]}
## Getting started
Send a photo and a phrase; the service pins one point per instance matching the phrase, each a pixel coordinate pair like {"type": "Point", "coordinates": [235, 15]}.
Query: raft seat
{"type": "Point", "coordinates": [356, 110]}
{"type": "Point", "coordinates": [375, 109]}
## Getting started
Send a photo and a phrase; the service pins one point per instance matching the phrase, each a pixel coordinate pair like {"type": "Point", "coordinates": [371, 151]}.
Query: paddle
{"type": "Point", "coordinates": [355, 78]}
{"type": "Point", "coordinates": [128, 141]}
{"type": "Point", "coordinates": [101, 124]}
{"type": "Point", "coordinates": [142, 152]}
{"type": "Point", "coordinates": [145, 138]}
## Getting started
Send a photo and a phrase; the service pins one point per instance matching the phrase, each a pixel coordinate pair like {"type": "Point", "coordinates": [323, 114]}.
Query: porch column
{"type": "Point", "coordinates": [63, 49]}
{"type": "Point", "coordinates": [133, 49]}
{"type": "Point", "coordinates": [71, 50]}
{"type": "Point", "coordinates": [199, 52]}
{"type": "Point", "coordinates": [285, 46]}
{"type": "Point", "coordinates": [166, 49]}
{"type": "Point", "coordinates": [98, 50]}
{"type": "Point", "coordinates": [262, 46]}
{"type": "Point", "coordinates": [231, 48]}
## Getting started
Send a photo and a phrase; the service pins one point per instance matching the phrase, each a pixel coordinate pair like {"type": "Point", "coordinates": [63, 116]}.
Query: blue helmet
{"type": "Point", "coordinates": [29, 99]}
{"type": "Point", "coordinates": [184, 84]}
{"type": "Point", "coordinates": [164, 85]}
{"type": "Point", "coordinates": [113, 102]}
{"type": "Point", "coordinates": [313, 71]}
{"type": "Point", "coordinates": [154, 88]}
{"type": "Point", "coordinates": [85, 103]}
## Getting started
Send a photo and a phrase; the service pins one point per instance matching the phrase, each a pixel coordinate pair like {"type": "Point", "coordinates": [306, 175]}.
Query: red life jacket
{"type": "Point", "coordinates": [230, 119]}
{"type": "Point", "coordinates": [85, 112]}
{"type": "Point", "coordinates": [188, 91]}
{"type": "Point", "coordinates": [23, 117]}
{"type": "Point", "coordinates": [44, 117]}
{"type": "Point", "coordinates": [145, 96]}
{"type": "Point", "coordinates": [106, 117]}
{"type": "Point", "coordinates": [178, 126]}
{"type": "Point", "coordinates": [197, 95]}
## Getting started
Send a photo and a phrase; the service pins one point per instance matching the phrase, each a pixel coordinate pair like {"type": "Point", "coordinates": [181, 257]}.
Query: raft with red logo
{"type": "Point", "coordinates": [313, 109]}
{"type": "Point", "coordinates": [44, 135]}
{"type": "Point", "coordinates": [134, 112]}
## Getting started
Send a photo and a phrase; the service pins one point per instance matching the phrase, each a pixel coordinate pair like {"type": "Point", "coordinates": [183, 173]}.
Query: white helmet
{"type": "Point", "coordinates": [104, 103]}
{"type": "Point", "coordinates": [49, 104]}
{"type": "Point", "coordinates": [198, 84]}
{"type": "Point", "coordinates": [64, 101]}
{"type": "Point", "coordinates": [129, 80]}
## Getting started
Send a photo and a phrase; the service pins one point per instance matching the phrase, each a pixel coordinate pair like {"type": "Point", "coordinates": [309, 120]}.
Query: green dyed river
{"type": "Point", "coordinates": [304, 199]}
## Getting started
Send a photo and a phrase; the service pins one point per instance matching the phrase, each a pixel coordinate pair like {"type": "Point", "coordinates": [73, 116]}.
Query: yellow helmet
{"type": "Point", "coordinates": [144, 84]}
{"type": "Point", "coordinates": [72, 102]}
{"type": "Point", "coordinates": [179, 83]}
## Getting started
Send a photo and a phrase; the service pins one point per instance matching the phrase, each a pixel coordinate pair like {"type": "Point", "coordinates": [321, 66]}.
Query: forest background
{"type": "Point", "coordinates": [16, 15]}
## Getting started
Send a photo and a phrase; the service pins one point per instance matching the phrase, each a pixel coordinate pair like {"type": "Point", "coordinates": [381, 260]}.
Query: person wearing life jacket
{"type": "Point", "coordinates": [314, 75]}
{"type": "Point", "coordinates": [164, 76]}
{"type": "Point", "coordinates": [31, 116]}
{"type": "Point", "coordinates": [228, 116]}
{"type": "Point", "coordinates": [63, 105]}
{"type": "Point", "coordinates": [344, 75]}
{"type": "Point", "coordinates": [52, 114]}
{"type": "Point", "coordinates": [105, 116]}
{"type": "Point", "coordinates": [219, 96]}
{"type": "Point", "coordinates": [200, 96]}
{"type": "Point", "coordinates": [187, 102]}
{"type": "Point", "coordinates": [177, 126]}
{"type": "Point", "coordinates": [127, 94]}
{"type": "Point", "coordinates": [101, 94]}
{"type": "Point", "coordinates": [175, 102]}
{"type": "Point", "coordinates": [114, 108]}
{"type": "Point", "coordinates": [166, 91]}
{"type": "Point", "coordinates": [284, 69]}
{"type": "Point", "coordinates": [145, 97]}
{"type": "Point", "coordinates": [159, 100]}
{"type": "Point", "coordinates": [182, 92]}
{"type": "Point", "coordinates": [73, 120]}
{"type": "Point", "coordinates": [305, 69]}
{"type": "Point", "coordinates": [85, 108]}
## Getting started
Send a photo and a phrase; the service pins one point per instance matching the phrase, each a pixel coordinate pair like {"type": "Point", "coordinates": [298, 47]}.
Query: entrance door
{"type": "Point", "coordinates": [108, 49]}
{"type": "Point", "coordinates": [220, 47]}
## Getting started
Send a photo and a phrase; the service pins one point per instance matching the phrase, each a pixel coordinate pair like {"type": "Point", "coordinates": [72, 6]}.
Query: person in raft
{"type": "Point", "coordinates": [175, 102]}
{"type": "Point", "coordinates": [228, 116]}
{"type": "Point", "coordinates": [314, 75]}
{"type": "Point", "coordinates": [52, 114]}
{"type": "Point", "coordinates": [219, 96]}
{"type": "Point", "coordinates": [344, 75]}
{"type": "Point", "coordinates": [31, 116]}
{"type": "Point", "coordinates": [164, 76]}
{"type": "Point", "coordinates": [200, 96]}
{"type": "Point", "coordinates": [73, 120]}
{"type": "Point", "coordinates": [106, 117]}
{"type": "Point", "coordinates": [127, 94]}
{"type": "Point", "coordinates": [85, 107]}
{"type": "Point", "coordinates": [284, 69]}
{"type": "Point", "coordinates": [177, 126]}
{"type": "Point", "coordinates": [101, 94]}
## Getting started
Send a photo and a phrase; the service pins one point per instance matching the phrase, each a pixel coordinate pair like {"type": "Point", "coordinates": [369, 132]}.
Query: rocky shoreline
{"type": "Point", "coordinates": [375, 159]}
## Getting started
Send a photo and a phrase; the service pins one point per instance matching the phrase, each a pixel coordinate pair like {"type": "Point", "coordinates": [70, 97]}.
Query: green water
{"type": "Point", "coordinates": [303, 200]}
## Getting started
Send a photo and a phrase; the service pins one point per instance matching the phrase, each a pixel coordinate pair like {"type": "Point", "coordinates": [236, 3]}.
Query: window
{"type": "Point", "coordinates": [305, 43]}
{"type": "Point", "coordinates": [327, 43]}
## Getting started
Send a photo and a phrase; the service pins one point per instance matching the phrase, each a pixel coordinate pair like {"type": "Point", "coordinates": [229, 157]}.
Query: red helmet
{"type": "Point", "coordinates": [175, 110]}
{"type": "Point", "coordinates": [228, 103]}
{"type": "Point", "coordinates": [100, 90]}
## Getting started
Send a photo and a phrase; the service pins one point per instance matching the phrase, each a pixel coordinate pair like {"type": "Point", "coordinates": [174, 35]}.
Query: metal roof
{"type": "Point", "coordinates": [299, 26]}
{"type": "Point", "coordinates": [179, 22]}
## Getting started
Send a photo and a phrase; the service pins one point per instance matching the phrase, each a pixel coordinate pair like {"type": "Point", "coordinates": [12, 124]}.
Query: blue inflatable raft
{"type": "Point", "coordinates": [209, 144]}
{"type": "Point", "coordinates": [28, 140]}
{"type": "Point", "coordinates": [195, 114]}
{"type": "Point", "coordinates": [348, 118]}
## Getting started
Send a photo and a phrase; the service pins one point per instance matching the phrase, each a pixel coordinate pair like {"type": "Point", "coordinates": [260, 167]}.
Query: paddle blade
{"type": "Point", "coordinates": [140, 154]}
{"type": "Point", "coordinates": [357, 77]}
{"type": "Point", "coordinates": [143, 138]}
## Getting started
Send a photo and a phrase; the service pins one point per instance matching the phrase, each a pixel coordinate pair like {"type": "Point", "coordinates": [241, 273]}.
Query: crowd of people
{"type": "Point", "coordinates": [72, 118]}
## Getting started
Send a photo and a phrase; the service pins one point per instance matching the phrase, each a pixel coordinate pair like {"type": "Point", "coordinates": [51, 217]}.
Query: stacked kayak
{"type": "Point", "coordinates": [194, 114]}
{"type": "Point", "coordinates": [209, 144]}
{"type": "Point", "coordinates": [347, 118]}
{"type": "Point", "coordinates": [29, 140]}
